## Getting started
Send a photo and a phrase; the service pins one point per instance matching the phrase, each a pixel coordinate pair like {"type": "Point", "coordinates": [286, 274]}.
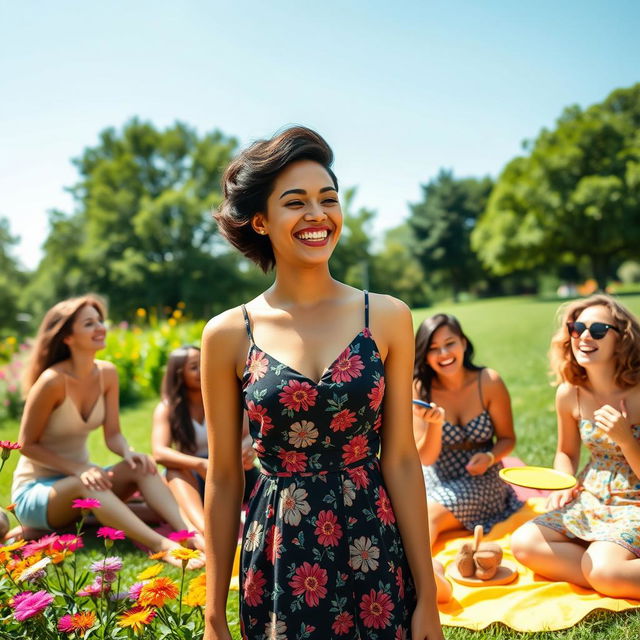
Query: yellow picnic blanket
{"type": "Point", "coordinates": [530, 603]}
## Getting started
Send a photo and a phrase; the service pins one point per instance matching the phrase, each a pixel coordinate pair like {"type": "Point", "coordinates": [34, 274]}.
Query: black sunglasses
{"type": "Point", "coordinates": [597, 330]}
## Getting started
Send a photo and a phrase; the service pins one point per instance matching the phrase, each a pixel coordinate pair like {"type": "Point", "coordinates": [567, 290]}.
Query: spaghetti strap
{"type": "Point", "coordinates": [100, 381]}
{"type": "Point", "coordinates": [247, 323]}
{"type": "Point", "coordinates": [366, 309]}
{"type": "Point", "coordinates": [484, 408]}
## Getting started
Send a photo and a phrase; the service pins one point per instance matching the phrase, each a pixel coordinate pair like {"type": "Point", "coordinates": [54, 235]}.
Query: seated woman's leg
{"type": "Point", "coordinates": [549, 553]}
{"type": "Point", "coordinates": [184, 486]}
{"type": "Point", "coordinates": [440, 519]}
{"type": "Point", "coordinates": [612, 570]}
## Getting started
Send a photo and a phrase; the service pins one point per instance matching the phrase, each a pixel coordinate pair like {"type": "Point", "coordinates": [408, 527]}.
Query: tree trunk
{"type": "Point", "coordinates": [600, 270]}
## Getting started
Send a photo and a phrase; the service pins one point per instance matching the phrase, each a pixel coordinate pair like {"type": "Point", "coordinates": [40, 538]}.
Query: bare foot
{"type": "Point", "coordinates": [444, 588]}
{"type": "Point", "coordinates": [169, 545]}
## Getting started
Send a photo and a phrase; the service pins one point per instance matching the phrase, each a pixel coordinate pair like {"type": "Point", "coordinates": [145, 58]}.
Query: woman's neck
{"type": "Point", "coordinates": [602, 380]}
{"type": "Point", "coordinates": [81, 364]}
{"type": "Point", "coordinates": [454, 382]}
{"type": "Point", "coordinates": [302, 286]}
{"type": "Point", "coordinates": [194, 398]}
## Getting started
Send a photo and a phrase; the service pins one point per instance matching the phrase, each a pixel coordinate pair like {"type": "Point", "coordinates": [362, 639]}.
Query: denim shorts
{"type": "Point", "coordinates": [31, 502]}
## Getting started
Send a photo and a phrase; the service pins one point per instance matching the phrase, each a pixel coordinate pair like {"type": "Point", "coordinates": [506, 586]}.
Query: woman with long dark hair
{"type": "Point", "coordinates": [179, 435]}
{"type": "Point", "coordinates": [465, 433]}
{"type": "Point", "coordinates": [335, 541]}
{"type": "Point", "coordinates": [70, 393]}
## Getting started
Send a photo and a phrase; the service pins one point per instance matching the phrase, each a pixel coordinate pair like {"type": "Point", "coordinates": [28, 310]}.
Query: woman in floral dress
{"type": "Point", "coordinates": [591, 536]}
{"type": "Point", "coordinates": [335, 542]}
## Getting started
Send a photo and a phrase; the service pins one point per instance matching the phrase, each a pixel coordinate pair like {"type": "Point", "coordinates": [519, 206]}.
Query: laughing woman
{"type": "Point", "coordinates": [591, 537]}
{"type": "Point", "coordinates": [335, 535]}
{"type": "Point", "coordinates": [69, 394]}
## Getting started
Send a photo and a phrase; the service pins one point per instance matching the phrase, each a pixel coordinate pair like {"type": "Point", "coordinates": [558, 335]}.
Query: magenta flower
{"type": "Point", "coordinates": [28, 604]}
{"type": "Point", "coordinates": [107, 565]}
{"type": "Point", "coordinates": [109, 533]}
{"type": "Point", "coordinates": [134, 589]}
{"type": "Point", "coordinates": [181, 536]}
{"type": "Point", "coordinates": [42, 544]}
{"type": "Point", "coordinates": [95, 589]}
{"type": "Point", "coordinates": [65, 624]}
{"type": "Point", "coordinates": [7, 447]}
{"type": "Point", "coordinates": [86, 503]}
{"type": "Point", "coordinates": [68, 542]}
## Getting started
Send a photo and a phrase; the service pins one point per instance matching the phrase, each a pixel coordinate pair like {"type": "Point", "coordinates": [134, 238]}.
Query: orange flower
{"type": "Point", "coordinates": [158, 555]}
{"type": "Point", "coordinates": [150, 572]}
{"type": "Point", "coordinates": [196, 594]}
{"type": "Point", "coordinates": [157, 591]}
{"type": "Point", "coordinates": [136, 618]}
{"type": "Point", "coordinates": [11, 507]}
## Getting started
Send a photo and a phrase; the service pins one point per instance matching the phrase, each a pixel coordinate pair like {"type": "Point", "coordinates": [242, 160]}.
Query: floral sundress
{"type": "Point", "coordinates": [321, 554]}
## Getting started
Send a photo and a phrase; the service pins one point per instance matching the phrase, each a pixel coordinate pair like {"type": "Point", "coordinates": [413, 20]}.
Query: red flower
{"type": "Point", "coordinates": [310, 580]}
{"type": "Point", "coordinates": [343, 420]}
{"type": "Point", "coordinates": [378, 423]}
{"type": "Point", "coordinates": [375, 609]}
{"type": "Point", "coordinates": [293, 460]}
{"type": "Point", "coordinates": [366, 333]}
{"type": "Point", "coordinates": [342, 623]}
{"type": "Point", "coordinates": [298, 394]}
{"type": "Point", "coordinates": [359, 477]}
{"type": "Point", "coordinates": [346, 367]}
{"type": "Point", "coordinates": [377, 394]}
{"type": "Point", "coordinates": [68, 542]}
{"type": "Point", "coordinates": [254, 582]}
{"type": "Point", "coordinates": [400, 583]}
{"type": "Point", "coordinates": [274, 542]}
{"type": "Point", "coordinates": [6, 444]}
{"type": "Point", "coordinates": [327, 529]}
{"type": "Point", "coordinates": [384, 510]}
{"type": "Point", "coordinates": [257, 413]}
{"type": "Point", "coordinates": [257, 366]}
{"type": "Point", "coordinates": [356, 449]}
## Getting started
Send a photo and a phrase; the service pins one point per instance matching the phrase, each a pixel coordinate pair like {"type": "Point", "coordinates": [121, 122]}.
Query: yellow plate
{"type": "Point", "coordinates": [537, 478]}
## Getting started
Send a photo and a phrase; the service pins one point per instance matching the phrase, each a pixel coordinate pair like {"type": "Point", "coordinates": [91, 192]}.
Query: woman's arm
{"type": "Point", "coordinates": [399, 458]}
{"type": "Point", "coordinates": [498, 403]}
{"type": "Point", "coordinates": [222, 340]}
{"type": "Point", "coordinates": [427, 429]}
{"type": "Point", "coordinates": [163, 452]}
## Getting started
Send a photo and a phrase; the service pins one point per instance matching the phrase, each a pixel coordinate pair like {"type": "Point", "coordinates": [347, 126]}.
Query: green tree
{"type": "Point", "coordinates": [12, 279]}
{"type": "Point", "coordinates": [442, 224]}
{"type": "Point", "coordinates": [575, 196]}
{"type": "Point", "coordinates": [142, 233]}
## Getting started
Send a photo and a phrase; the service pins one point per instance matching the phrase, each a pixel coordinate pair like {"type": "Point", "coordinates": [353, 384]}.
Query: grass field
{"type": "Point", "coordinates": [510, 335]}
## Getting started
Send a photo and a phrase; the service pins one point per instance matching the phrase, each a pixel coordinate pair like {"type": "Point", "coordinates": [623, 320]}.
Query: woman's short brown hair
{"type": "Point", "coordinates": [248, 182]}
{"type": "Point", "coordinates": [627, 354]}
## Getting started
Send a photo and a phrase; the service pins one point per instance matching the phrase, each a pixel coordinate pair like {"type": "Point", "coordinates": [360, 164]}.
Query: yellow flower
{"type": "Point", "coordinates": [196, 594]}
{"type": "Point", "coordinates": [136, 618]}
{"type": "Point", "coordinates": [172, 322]}
{"type": "Point", "coordinates": [140, 312]}
{"type": "Point", "coordinates": [181, 305]}
{"type": "Point", "coordinates": [150, 572]}
{"type": "Point", "coordinates": [184, 554]}
{"type": "Point", "coordinates": [10, 340]}
{"type": "Point", "coordinates": [157, 591]}
{"type": "Point", "coordinates": [177, 314]}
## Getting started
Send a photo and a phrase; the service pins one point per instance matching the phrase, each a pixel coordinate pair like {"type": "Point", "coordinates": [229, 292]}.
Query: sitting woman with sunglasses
{"type": "Point", "coordinates": [591, 537]}
{"type": "Point", "coordinates": [464, 434]}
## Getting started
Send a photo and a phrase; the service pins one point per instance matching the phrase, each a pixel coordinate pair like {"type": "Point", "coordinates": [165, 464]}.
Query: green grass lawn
{"type": "Point", "coordinates": [510, 335]}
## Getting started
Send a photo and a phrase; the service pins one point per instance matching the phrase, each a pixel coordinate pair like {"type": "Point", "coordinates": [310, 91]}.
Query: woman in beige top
{"type": "Point", "coordinates": [68, 394]}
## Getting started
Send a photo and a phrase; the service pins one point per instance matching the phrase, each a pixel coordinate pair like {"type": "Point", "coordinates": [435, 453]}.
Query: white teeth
{"type": "Point", "coordinates": [444, 363]}
{"type": "Point", "coordinates": [313, 235]}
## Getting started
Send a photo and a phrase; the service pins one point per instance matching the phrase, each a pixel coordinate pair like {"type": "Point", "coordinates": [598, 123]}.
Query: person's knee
{"type": "Point", "coordinates": [524, 542]}
{"type": "Point", "coordinates": [603, 576]}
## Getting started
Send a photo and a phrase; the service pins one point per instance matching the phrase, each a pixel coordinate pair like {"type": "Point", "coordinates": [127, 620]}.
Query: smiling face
{"type": "Point", "coordinates": [585, 349]}
{"type": "Point", "coordinates": [88, 332]}
{"type": "Point", "coordinates": [191, 370]}
{"type": "Point", "coordinates": [445, 354]}
{"type": "Point", "coordinates": [303, 218]}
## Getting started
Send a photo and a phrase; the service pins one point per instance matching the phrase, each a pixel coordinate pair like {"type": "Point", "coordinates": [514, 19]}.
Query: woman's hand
{"type": "Point", "coordinates": [479, 463]}
{"type": "Point", "coordinates": [142, 462]}
{"type": "Point", "coordinates": [434, 416]}
{"type": "Point", "coordinates": [95, 478]}
{"type": "Point", "coordinates": [425, 623]}
{"type": "Point", "coordinates": [559, 499]}
{"type": "Point", "coordinates": [248, 453]}
{"type": "Point", "coordinates": [614, 423]}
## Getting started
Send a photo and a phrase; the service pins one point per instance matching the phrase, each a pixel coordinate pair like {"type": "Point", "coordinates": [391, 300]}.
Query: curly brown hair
{"type": "Point", "coordinates": [627, 354]}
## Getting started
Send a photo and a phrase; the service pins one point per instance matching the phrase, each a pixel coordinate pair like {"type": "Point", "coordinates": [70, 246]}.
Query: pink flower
{"type": "Point", "coordinates": [342, 623]}
{"type": "Point", "coordinates": [377, 394]}
{"type": "Point", "coordinates": [346, 367]}
{"type": "Point", "coordinates": [106, 565]}
{"type": "Point", "coordinates": [400, 583]}
{"type": "Point", "coordinates": [68, 542]}
{"type": "Point", "coordinates": [366, 333]}
{"type": "Point", "coordinates": [310, 580]}
{"type": "Point", "coordinates": [356, 449]}
{"type": "Point", "coordinates": [134, 589]}
{"type": "Point", "coordinates": [384, 511]}
{"type": "Point", "coordinates": [296, 395]}
{"type": "Point", "coordinates": [181, 536]}
{"type": "Point", "coordinates": [6, 444]}
{"type": "Point", "coordinates": [254, 582]}
{"type": "Point", "coordinates": [343, 420]}
{"type": "Point", "coordinates": [327, 529]}
{"type": "Point", "coordinates": [95, 589]}
{"type": "Point", "coordinates": [401, 633]}
{"type": "Point", "coordinates": [359, 477]}
{"type": "Point", "coordinates": [257, 366]}
{"type": "Point", "coordinates": [86, 503]}
{"type": "Point", "coordinates": [109, 533]}
{"type": "Point", "coordinates": [293, 461]}
{"type": "Point", "coordinates": [42, 544]}
{"type": "Point", "coordinates": [377, 424]}
{"type": "Point", "coordinates": [28, 604]}
{"type": "Point", "coordinates": [274, 542]}
{"type": "Point", "coordinates": [257, 413]}
{"type": "Point", "coordinates": [375, 609]}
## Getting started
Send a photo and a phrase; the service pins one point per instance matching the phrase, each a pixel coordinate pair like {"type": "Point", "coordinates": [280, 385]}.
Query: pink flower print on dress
{"type": "Point", "coordinates": [274, 543]}
{"type": "Point", "coordinates": [359, 477]}
{"type": "Point", "coordinates": [384, 511]}
{"type": "Point", "coordinates": [346, 367]}
{"type": "Point", "coordinates": [257, 413]}
{"type": "Point", "coordinates": [254, 582]}
{"type": "Point", "coordinates": [342, 420]}
{"type": "Point", "coordinates": [377, 394]}
{"type": "Point", "coordinates": [342, 623]}
{"type": "Point", "coordinates": [356, 449]}
{"type": "Point", "coordinates": [310, 580]}
{"type": "Point", "coordinates": [375, 609]}
{"type": "Point", "coordinates": [293, 461]}
{"type": "Point", "coordinates": [400, 582]}
{"type": "Point", "coordinates": [297, 395]}
{"type": "Point", "coordinates": [328, 530]}
{"type": "Point", "coordinates": [257, 366]}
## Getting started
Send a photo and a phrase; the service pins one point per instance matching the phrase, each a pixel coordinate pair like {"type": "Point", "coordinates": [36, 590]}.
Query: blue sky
{"type": "Point", "coordinates": [399, 89]}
